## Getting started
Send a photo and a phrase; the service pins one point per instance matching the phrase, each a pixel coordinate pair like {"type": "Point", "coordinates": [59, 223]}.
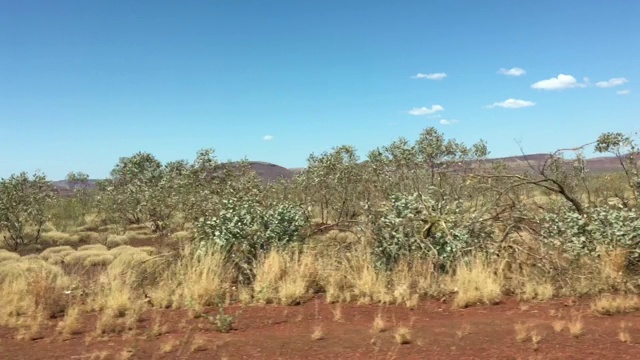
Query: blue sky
{"type": "Point", "coordinates": [83, 83]}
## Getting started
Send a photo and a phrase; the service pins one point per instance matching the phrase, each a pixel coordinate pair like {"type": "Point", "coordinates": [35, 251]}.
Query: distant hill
{"type": "Point", "coordinates": [268, 172]}
{"type": "Point", "coordinates": [271, 172]}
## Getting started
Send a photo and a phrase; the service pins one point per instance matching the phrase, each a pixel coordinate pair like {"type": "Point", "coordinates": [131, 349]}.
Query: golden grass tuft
{"type": "Point", "coordinates": [114, 241]}
{"type": "Point", "coordinates": [623, 332]}
{"type": "Point", "coordinates": [79, 257]}
{"type": "Point", "coordinates": [169, 346]}
{"type": "Point", "coordinates": [6, 256]}
{"type": "Point", "coordinates": [199, 343]}
{"type": "Point", "coordinates": [98, 260]}
{"type": "Point", "coordinates": [93, 247]}
{"type": "Point", "coordinates": [90, 237]}
{"type": "Point", "coordinates": [615, 304]}
{"type": "Point", "coordinates": [32, 286]}
{"type": "Point", "coordinates": [475, 282]}
{"type": "Point", "coordinates": [318, 333]}
{"type": "Point", "coordinates": [72, 321]}
{"type": "Point", "coordinates": [60, 238]}
{"type": "Point", "coordinates": [558, 325]}
{"type": "Point", "coordinates": [576, 326]}
{"type": "Point", "coordinates": [56, 250]}
{"type": "Point", "coordinates": [540, 291]}
{"type": "Point", "coordinates": [402, 335]}
{"type": "Point", "coordinates": [201, 279]}
{"type": "Point", "coordinates": [522, 331]}
{"type": "Point", "coordinates": [284, 277]}
{"type": "Point", "coordinates": [379, 324]}
{"type": "Point", "coordinates": [182, 236]}
{"type": "Point", "coordinates": [463, 331]}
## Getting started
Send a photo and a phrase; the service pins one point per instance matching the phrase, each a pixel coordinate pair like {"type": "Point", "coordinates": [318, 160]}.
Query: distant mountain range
{"type": "Point", "coordinates": [270, 172]}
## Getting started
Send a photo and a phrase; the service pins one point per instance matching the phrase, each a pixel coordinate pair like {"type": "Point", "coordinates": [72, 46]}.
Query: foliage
{"type": "Point", "coordinates": [23, 204]}
{"type": "Point", "coordinates": [141, 189]}
{"type": "Point", "coordinates": [413, 225]}
{"type": "Point", "coordinates": [602, 227]}
{"type": "Point", "coordinates": [69, 212]}
{"type": "Point", "coordinates": [333, 182]}
{"type": "Point", "coordinates": [430, 162]}
{"type": "Point", "coordinates": [626, 150]}
{"type": "Point", "coordinates": [243, 229]}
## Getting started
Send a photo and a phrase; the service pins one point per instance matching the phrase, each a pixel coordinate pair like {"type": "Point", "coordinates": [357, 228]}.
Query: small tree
{"type": "Point", "coordinates": [141, 189]}
{"type": "Point", "coordinates": [23, 203]}
{"type": "Point", "coordinates": [626, 151]}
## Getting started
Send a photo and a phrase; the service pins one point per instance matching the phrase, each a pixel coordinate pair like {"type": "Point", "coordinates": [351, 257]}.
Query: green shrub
{"type": "Point", "coordinates": [244, 228]}
{"type": "Point", "coordinates": [415, 225]}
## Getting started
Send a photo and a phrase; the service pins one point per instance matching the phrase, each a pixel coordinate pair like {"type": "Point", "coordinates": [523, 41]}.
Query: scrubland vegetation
{"type": "Point", "coordinates": [431, 219]}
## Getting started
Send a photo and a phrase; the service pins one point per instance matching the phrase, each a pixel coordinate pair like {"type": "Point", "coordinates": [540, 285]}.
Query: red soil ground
{"type": "Point", "coordinates": [276, 332]}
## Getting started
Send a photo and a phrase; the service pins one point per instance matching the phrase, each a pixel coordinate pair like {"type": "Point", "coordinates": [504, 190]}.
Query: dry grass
{"type": "Point", "coordinates": [576, 326]}
{"type": "Point", "coordinates": [540, 291]}
{"type": "Point", "coordinates": [31, 286]}
{"type": "Point", "coordinates": [284, 277]}
{"type": "Point", "coordinates": [90, 237]}
{"type": "Point", "coordinates": [114, 241]}
{"type": "Point", "coordinates": [535, 339]}
{"type": "Point", "coordinates": [60, 238]}
{"type": "Point", "coordinates": [318, 333]}
{"type": "Point", "coordinates": [615, 304]}
{"type": "Point", "coordinates": [199, 343]}
{"type": "Point", "coordinates": [93, 247]}
{"type": "Point", "coordinates": [159, 328]}
{"type": "Point", "coordinates": [182, 236]}
{"type": "Point", "coordinates": [169, 346]}
{"type": "Point", "coordinates": [522, 331]}
{"type": "Point", "coordinates": [72, 322]}
{"type": "Point", "coordinates": [337, 313]}
{"type": "Point", "coordinates": [402, 335]}
{"type": "Point", "coordinates": [80, 257]}
{"type": "Point", "coordinates": [463, 331]}
{"type": "Point", "coordinates": [379, 324]}
{"type": "Point", "coordinates": [8, 256]}
{"type": "Point", "coordinates": [476, 282]}
{"type": "Point", "coordinates": [623, 332]}
{"type": "Point", "coordinates": [56, 250]}
{"type": "Point", "coordinates": [558, 325]}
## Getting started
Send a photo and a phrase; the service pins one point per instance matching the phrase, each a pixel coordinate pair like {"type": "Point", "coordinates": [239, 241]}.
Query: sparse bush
{"type": "Point", "coordinates": [243, 229]}
{"type": "Point", "coordinates": [419, 226]}
{"type": "Point", "coordinates": [23, 203]}
{"type": "Point", "coordinates": [601, 228]}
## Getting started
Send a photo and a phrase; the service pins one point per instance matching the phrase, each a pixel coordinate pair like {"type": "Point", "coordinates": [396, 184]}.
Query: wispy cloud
{"type": "Point", "coordinates": [516, 71]}
{"type": "Point", "coordinates": [448, 122]}
{"type": "Point", "coordinates": [623, 92]}
{"type": "Point", "coordinates": [512, 104]}
{"type": "Point", "coordinates": [434, 76]}
{"type": "Point", "coordinates": [560, 82]}
{"type": "Point", "coordinates": [425, 110]}
{"type": "Point", "coordinates": [612, 82]}
{"type": "Point", "coordinates": [267, 138]}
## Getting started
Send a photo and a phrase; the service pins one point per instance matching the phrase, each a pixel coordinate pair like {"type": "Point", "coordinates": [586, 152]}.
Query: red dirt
{"type": "Point", "coordinates": [276, 332]}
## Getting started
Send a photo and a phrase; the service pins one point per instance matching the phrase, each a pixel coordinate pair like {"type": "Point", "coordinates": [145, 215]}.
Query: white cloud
{"type": "Point", "coordinates": [612, 82]}
{"type": "Point", "coordinates": [558, 83]}
{"type": "Point", "coordinates": [434, 76]}
{"type": "Point", "coordinates": [516, 71]}
{"type": "Point", "coordinates": [623, 92]}
{"type": "Point", "coordinates": [425, 110]}
{"type": "Point", "coordinates": [447, 122]}
{"type": "Point", "coordinates": [512, 104]}
{"type": "Point", "coordinates": [267, 138]}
